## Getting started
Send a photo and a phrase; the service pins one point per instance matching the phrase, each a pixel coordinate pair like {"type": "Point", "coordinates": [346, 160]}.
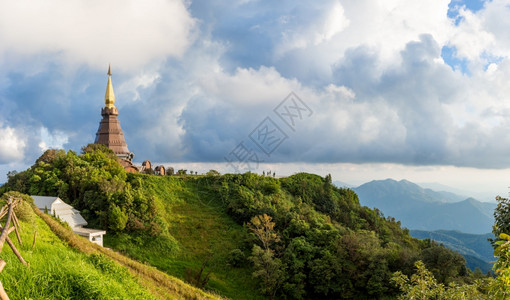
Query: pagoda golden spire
{"type": "Point", "coordinates": [109, 97]}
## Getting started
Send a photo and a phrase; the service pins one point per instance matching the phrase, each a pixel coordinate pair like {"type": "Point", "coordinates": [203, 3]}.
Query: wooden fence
{"type": "Point", "coordinates": [8, 209]}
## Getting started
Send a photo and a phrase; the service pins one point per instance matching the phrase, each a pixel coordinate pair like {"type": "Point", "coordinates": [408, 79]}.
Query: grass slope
{"type": "Point", "coordinates": [158, 283]}
{"type": "Point", "coordinates": [58, 272]}
{"type": "Point", "coordinates": [199, 232]}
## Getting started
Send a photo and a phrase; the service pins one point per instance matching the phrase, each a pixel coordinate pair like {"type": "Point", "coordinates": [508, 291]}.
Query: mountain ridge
{"type": "Point", "coordinates": [425, 209]}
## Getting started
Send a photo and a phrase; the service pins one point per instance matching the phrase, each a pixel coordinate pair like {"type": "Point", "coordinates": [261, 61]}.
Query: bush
{"type": "Point", "coordinates": [117, 219]}
{"type": "Point", "coordinates": [212, 173]}
{"type": "Point", "coordinates": [236, 258]}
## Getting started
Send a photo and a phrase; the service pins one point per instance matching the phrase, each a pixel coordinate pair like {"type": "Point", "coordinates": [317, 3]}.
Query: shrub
{"type": "Point", "coordinates": [117, 219]}
{"type": "Point", "coordinates": [236, 258]}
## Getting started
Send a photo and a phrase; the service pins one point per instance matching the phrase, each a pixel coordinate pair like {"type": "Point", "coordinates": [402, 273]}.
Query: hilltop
{"type": "Point", "coordinates": [242, 236]}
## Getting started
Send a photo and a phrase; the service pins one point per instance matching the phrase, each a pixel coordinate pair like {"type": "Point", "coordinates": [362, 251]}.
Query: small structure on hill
{"type": "Point", "coordinates": [128, 166]}
{"type": "Point", "coordinates": [146, 165]}
{"type": "Point", "coordinates": [160, 170]}
{"type": "Point", "coordinates": [55, 206]}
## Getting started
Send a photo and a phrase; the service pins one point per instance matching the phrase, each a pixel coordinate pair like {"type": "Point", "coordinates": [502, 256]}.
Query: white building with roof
{"type": "Point", "coordinates": [55, 206]}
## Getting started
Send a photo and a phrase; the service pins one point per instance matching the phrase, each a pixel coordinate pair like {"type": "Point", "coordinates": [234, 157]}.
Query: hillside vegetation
{"type": "Point", "coordinates": [243, 236]}
{"type": "Point", "coordinates": [476, 248]}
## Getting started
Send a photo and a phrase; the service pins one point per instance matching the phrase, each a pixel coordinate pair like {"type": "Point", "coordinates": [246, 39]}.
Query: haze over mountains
{"type": "Point", "coordinates": [458, 222]}
{"type": "Point", "coordinates": [475, 248]}
{"type": "Point", "coordinates": [425, 209]}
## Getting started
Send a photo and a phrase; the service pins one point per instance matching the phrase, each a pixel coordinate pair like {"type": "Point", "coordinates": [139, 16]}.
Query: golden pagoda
{"type": "Point", "coordinates": [110, 133]}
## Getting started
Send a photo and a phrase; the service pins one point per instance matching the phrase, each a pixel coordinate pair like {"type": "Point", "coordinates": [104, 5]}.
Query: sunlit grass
{"type": "Point", "coordinates": [202, 232]}
{"type": "Point", "coordinates": [159, 284]}
{"type": "Point", "coordinates": [59, 272]}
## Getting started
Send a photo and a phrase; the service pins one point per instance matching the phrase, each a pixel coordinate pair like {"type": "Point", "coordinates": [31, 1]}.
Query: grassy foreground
{"type": "Point", "coordinates": [158, 283]}
{"type": "Point", "coordinates": [63, 265]}
{"type": "Point", "coordinates": [59, 272]}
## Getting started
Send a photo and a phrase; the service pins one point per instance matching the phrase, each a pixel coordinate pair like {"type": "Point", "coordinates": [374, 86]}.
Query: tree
{"type": "Point", "coordinates": [170, 171]}
{"type": "Point", "coordinates": [501, 217]}
{"type": "Point", "coordinates": [269, 269]}
{"type": "Point", "coordinates": [500, 287]}
{"type": "Point", "coordinates": [117, 219]}
{"type": "Point", "coordinates": [12, 173]}
{"type": "Point", "coordinates": [444, 263]}
{"type": "Point", "coordinates": [263, 228]}
{"type": "Point", "coordinates": [423, 285]}
{"type": "Point", "coordinates": [213, 173]}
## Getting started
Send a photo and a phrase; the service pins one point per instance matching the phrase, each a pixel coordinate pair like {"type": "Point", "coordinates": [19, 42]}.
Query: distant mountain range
{"type": "Point", "coordinates": [458, 222]}
{"type": "Point", "coordinates": [474, 247]}
{"type": "Point", "coordinates": [425, 209]}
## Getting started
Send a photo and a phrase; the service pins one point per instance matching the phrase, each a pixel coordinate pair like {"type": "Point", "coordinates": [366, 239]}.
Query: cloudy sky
{"type": "Point", "coordinates": [362, 89]}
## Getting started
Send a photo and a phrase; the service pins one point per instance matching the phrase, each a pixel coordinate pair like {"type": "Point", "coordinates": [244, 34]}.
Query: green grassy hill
{"type": "Point", "coordinates": [242, 236]}
{"type": "Point", "coordinates": [200, 232]}
{"type": "Point", "coordinates": [205, 217]}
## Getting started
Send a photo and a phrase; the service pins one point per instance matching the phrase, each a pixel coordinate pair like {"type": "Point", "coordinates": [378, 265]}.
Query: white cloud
{"type": "Point", "coordinates": [12, 145]}
{"type": "Point", "coordinates": [128, 34]}
{"type": "Point", "coordinates": [329, 21]}
{"type": "Point", "coordinates": [482, 37]}
{"type": "Point", "coordinates": [247, 87]}
{"type": "Point", "coordinates": [494, 18]}
{"type": "Point", "coordinates": [340, 92]}
{"type": "Point", "coordinates": [334, 23]}
{"type": "Point", "coordinates": [52, 140]}
{"type": "Point", "coordinates": [139, 82]}
{"type": "Point", "coordinates": [383, 27]}
{"type": "Point", "coordinates": [471, 38]}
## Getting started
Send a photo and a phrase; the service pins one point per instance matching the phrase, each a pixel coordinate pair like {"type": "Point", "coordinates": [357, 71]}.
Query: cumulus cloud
{"type": "Point", "coordinates": [128, 34]}
{"type": "Point", "coordinates": [55, 140]}
{"type": "Point", "coordinates": [372, 73]}
{"type": "Point", "coordinates": [406, 113]}
{"type": "Point", "coordinates": [327, 21]}
{"type": "Point", "coordinates": [12, 145]}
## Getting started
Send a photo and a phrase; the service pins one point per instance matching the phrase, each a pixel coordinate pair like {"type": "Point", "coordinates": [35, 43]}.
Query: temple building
{"type": "Point", "coordinates": [110, 133]}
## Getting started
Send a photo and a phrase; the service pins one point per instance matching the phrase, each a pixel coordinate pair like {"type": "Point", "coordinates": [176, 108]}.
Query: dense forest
{"type": "Point", "coordinates": [299, 236]}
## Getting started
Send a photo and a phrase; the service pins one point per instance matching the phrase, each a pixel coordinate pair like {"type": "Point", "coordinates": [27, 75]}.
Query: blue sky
{"type": "Point", "coordinates": [399, 87]}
